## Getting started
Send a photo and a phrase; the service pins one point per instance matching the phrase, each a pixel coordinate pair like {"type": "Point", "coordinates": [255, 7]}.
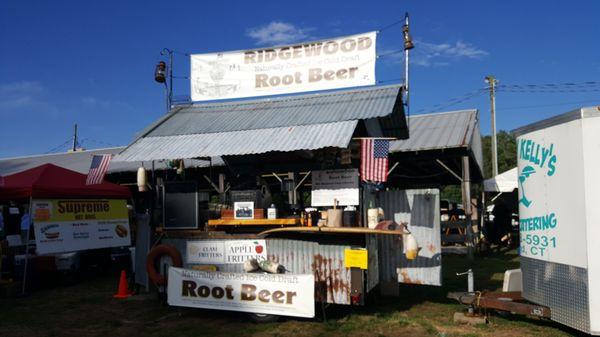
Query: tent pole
{"type": "Point", "coordinates": [27, 246]}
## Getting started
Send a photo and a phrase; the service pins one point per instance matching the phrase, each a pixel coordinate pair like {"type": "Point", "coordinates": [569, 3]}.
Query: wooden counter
{"type": "Point", "coordinates": [254, 222]}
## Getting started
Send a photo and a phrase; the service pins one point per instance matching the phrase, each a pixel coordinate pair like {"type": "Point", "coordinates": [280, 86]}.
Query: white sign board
{"type": "Point", "coordinates": [328, 64]}
{"type": "Point", "coordinates": [66, 225]}
{"type": "Point", "coordinates": [552, 195]}
{"type": "Point", "coordinates": [276, 294]}
{"type": "Point", "coordinates": [225, 251]}
{"type": "Point", "coordinates": [330, 185]}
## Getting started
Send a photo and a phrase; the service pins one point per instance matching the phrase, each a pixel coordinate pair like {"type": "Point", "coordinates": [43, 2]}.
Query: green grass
{"type": "Point", "coordinates": [88, 309]}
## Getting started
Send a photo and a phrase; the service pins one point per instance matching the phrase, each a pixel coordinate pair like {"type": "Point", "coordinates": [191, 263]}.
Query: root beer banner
{"type": "Point", "coordinates": [276, 294]}
{"type": "Point", "coordinates": [66, 225]}
{"type": "Point", "coordinates": [328, 64]}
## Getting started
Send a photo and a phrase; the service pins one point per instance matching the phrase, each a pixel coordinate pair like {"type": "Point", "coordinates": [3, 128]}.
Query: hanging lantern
{"type": "Point", "coordinates": [160, 73]}
{"type": "Point", "coordinates": [142, 180]}
{"type": "Point", "coordinates": [408, 44]}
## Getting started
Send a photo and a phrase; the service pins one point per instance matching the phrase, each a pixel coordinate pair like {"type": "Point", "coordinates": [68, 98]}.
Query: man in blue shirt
{"type": "Point", "coordinates": [25, 225]}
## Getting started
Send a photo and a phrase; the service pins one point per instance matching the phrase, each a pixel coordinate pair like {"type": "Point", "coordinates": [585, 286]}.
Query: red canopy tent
{"type": "Point", "coordinates": [51, 181]}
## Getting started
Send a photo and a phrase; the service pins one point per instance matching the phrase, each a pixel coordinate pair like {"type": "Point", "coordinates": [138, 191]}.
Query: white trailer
{"type": "Point", "coordinates": [559, 216]}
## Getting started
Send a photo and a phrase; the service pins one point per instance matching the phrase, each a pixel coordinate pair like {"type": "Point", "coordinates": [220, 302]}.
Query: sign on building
{"type": "Point", "coordinates": [330, 185]}
{"type": "Point", "coordinates": [225, 251]}
{"type": "Point", "coordinates": [321, 65]}
{"type": "Point", "coordinates": [66, 225]}
{"type": "Point", "coordinates": [276, 294]}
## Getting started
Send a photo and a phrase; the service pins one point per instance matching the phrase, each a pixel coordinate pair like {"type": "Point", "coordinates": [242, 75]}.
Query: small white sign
{"type": "Point", "coordinates": [225, 251]}
{"type": "Point", "coordinates": [330, 185]}
{"type": "Point", "coordinates": [275, 294]}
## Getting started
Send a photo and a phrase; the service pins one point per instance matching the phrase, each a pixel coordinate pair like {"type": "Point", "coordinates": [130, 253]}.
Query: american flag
{"type": "Point", "coordinates": [98, 169]}
{"type": "Point", "coordinates": [374, 159]}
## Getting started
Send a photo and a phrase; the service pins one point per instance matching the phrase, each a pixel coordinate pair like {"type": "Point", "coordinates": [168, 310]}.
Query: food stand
{"type": "Point", "coordinates": [66, 214]}
{"type": "Point", "coordinates": [288, 216]}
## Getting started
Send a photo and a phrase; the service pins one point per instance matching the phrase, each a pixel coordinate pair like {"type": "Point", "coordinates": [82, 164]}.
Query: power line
{"type": "Point", "coordinates": [452, 101]}
{"type": "Point", "coordinates": [390, 25]}
{"type": "Point", "coordinates": [548, 105]}
{"type": "Point", "coordinates": [56, 148]}
{"type": "Point", "coordinates": [398, 51]}
{"type": "Point", "coordinates": [390, 80]}
{"type": "Point", "coordinates": [386, 27]}
{"type": "Point", "coordinates": [568, 87]}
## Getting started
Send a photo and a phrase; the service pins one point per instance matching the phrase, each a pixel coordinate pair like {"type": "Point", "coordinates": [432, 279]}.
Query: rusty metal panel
{"type": "Point", "coordinates": [420, 209]}
{"type": "Point", "coordinates": [324, 261]}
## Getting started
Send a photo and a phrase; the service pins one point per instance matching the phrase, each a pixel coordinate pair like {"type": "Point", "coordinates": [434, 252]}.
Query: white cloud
{"type": "Point", "coordinates": [278, 32]}
{"type": "Point", "coordinates": [431, 54]}
{"type": "Point", "coordinates": [457, 50]}
{"type": "Point", "coordinates": [427, 54]}
{"type": "Point", "coordinates": [21, 94]}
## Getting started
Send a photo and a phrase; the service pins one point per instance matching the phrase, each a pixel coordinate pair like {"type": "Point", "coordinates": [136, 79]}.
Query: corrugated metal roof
{"type": "Point", "coordinates": [304, 122]}
{"type": "Point", "coordinates": [80, 161]}
{"type": "Point", "coordinates": [279, 112]}
{"type": "Point", "coordinates": [288, 138]}
{"type": "Point", "coordinates": [439, 131]}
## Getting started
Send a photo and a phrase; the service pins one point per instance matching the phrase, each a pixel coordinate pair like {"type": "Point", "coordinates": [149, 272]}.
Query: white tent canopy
{"type": "Point", "coordinates": [504, 182]}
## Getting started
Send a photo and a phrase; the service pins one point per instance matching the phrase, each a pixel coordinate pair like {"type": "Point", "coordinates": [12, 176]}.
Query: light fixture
{"type": "Point", "coordinates": [160, 73]}
{"type": "Point", "coordinates": [408, 43]}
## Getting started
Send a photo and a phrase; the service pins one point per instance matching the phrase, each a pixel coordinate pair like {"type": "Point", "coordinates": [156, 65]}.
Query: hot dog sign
{"type": "Point", "coordinates": [65, 225]}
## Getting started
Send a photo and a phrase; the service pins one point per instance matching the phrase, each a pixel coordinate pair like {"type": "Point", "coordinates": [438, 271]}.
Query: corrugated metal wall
{"type": "Point", "coordinates": [420, 209]}
{"type": "Point", "coordinates": [324, 261]}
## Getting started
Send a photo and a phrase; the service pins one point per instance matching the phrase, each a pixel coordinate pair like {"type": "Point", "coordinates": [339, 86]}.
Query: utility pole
{"type": "Point", "coordinates": [74, 147]}
{"type": "Point", "coordinates": [169, 52]}
{"type": "Point", "coordinates": [492, 82]}
{"type": "Point", "coordinates": [408, 45]}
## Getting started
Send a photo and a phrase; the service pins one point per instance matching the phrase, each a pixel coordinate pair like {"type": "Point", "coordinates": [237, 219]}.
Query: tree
{"type": "Point", "coordinates": [507, 153]}
{"type": "Point", "coordinates": [507, 159]}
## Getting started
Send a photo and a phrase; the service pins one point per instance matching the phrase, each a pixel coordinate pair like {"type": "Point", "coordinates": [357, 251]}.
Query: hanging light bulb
{"type": "Point", "coordinates": [160, 73]}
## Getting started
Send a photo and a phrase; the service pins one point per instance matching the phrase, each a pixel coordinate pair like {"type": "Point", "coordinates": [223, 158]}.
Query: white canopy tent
{"type": "Point", "coordinates": [504, 182]}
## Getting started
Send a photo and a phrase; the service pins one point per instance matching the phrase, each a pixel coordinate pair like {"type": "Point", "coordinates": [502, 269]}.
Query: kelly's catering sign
{"type": "Point", "coordinates": [65, 225]}
{"type": "Point", "coordinates": [329, 64]}
{"type": "Point", "coordinates": [277, 294]}
{"type": "Point", "coordinates": [225, 251]}
{"type": "Point", "coordinates": [552, 216]}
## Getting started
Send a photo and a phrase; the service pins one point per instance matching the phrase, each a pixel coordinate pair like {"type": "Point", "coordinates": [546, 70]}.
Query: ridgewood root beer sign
{"type": "Point", "coordinates": [329, 64]}
{"type": "Point", "coordinates": [66, 225]}
{"type": "Point", "coordinates": [277, 294]}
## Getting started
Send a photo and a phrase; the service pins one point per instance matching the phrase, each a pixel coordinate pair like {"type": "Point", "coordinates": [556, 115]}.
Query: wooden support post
{"type": "Point", "coordinates": [292, 193]}
{"type": "Point", "coordinates": [466, 199]}
{"type": "Point", "coordinates": [222, 187]}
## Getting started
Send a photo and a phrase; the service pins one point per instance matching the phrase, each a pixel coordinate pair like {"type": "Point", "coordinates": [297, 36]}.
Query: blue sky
{"type": "Point", "coordinates": [92, 63]}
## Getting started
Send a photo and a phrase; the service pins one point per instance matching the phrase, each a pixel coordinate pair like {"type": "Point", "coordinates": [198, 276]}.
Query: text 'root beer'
{"type": "Point", "coordinates": [248, 292]}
